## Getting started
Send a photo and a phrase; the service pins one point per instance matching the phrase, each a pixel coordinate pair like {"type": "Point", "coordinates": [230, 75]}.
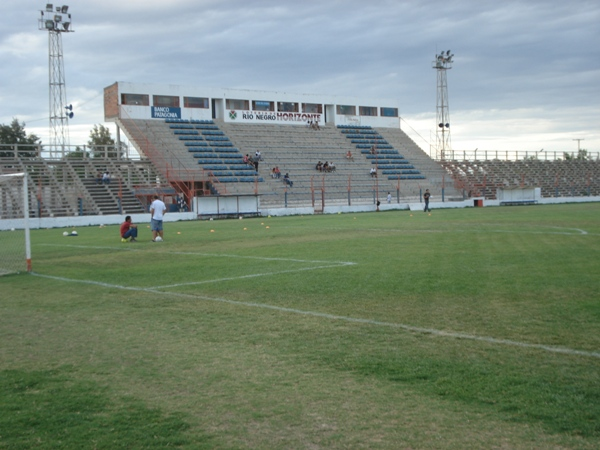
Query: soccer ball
{"type": "Point", "coordinates": [158, 239]}
{"type": "Point", "coordinates": [65, 234]}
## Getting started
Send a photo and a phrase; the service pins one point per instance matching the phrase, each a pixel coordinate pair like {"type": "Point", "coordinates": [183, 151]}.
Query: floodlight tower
{"type": "Point", "coordinates": [442, 63]}
{"type": "Point", "coordinates": [57, 21]}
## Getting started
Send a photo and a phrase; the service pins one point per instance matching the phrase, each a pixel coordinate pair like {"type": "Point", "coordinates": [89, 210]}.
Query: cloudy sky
{"type": "Point", "coordinates": [526, 74]}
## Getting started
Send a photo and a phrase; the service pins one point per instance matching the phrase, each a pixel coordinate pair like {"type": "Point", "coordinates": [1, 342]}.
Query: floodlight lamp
{"type": "Point", "coordinates": [49, 7]}
{"type": "Point", "coordinates": [447, 125]}
{"type": "Point", "coordinates": [70, 107]}
{"type": "Point", "coordinates": [448, 53]}
{"type": "Point", "coordinates": [49, 24]}
{"type": "Point", "coordinates": [64, 9]}
{"type": "Point", "coordinates": [66, 25]}
{"type": "Point", "coordinates": [441, 125]}
{"type": "Point", "coordinates": [57, 18]}
{"type": "Point", "coordinates": [71, 115]}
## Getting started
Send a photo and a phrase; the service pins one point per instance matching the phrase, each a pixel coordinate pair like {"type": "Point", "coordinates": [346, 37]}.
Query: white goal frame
{"type": "Point", "coordinates": [15, 196]}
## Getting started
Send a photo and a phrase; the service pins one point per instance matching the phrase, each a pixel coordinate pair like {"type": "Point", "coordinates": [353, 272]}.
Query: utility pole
{"type": "Point", "coordinates": [579, 144]}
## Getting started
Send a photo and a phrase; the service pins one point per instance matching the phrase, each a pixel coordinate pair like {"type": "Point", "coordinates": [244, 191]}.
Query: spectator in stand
{"type": "Point", "coordinates": [106, 177]}
{"type": "Point", "coordinates": [277, 172]}
{"type": "Point", "coordinates": [319, 166]}
{"type": "Point", "coordinates": [286, 180]}
{"type": "Point", "coordinates": [326, 167]}
{"type": "Point", "coordinates": [389, 197]}
{"type": "Point", "coordinates": [373, 172]}
{"type": "Point", "coordinates": [349, 156]}
{"type": "Point", "coordinates": [247, 159]}
{"type": "Point", "coordinates": [257, 156]}
{"type": "Point", "coordinates": [331, 167]}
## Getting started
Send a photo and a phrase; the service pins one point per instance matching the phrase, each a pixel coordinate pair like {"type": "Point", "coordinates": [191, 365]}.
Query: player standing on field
{"type": "Point", "coordinates": [157, 210]}
{"type": "Point", "coordinates": [426, 197]}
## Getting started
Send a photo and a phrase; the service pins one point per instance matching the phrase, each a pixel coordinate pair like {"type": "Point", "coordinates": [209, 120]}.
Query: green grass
{"type": "Point", "coordinates": [298, 335]}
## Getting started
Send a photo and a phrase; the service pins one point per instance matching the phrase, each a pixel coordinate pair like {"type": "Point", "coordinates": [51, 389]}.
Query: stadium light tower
{"type": "Point", "coordinates": [442, 63]}
{"type": "Point", "coordinates": [57, 21]}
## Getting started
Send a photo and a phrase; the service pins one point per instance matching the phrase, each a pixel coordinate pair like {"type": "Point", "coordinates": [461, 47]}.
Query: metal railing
{"type": "Point", "coordinates": [518, 155]}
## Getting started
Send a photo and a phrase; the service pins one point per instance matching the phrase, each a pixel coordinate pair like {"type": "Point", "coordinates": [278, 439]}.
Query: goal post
{"type": "Point", "coordinates": [15, 243]}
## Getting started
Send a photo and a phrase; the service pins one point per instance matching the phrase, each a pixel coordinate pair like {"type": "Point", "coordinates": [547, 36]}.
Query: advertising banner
{"type": "Point", "coordinates": [164, 112]}
{"type": "Point", "coordinates": [278, 118]}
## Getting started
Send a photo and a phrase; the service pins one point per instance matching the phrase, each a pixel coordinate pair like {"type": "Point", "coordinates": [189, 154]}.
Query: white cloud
{"type": "Point", "coordinates": [526, 73]}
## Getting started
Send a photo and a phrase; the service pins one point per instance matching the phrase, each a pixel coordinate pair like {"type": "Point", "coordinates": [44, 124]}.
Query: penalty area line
{"type": "Point", "coordinates": [242, 277]}
{"type": "Point", "coordinates": [413, 329]}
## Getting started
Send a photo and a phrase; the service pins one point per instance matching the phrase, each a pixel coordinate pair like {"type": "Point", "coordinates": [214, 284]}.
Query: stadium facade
{"type": "Point", "coordinates": [155, 101]}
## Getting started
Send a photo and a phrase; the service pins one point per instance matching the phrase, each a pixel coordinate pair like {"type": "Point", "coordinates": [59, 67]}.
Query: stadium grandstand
{"type": "Point", "coordinates": [191, 145]}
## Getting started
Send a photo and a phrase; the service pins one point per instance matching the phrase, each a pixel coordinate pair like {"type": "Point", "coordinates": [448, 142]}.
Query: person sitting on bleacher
{"type": "Point", "coordinates": [349, 156]}
{"type": "Point", "coordinates": [277, 172]}
{"type": "Point", "coordinates": [257, 156]}
{"type": "Point", "coordinates": [286, 180]}
{"type": "Point", "coordinates": [331, 167]}
{"type": "Point", "coordinates": [247, 159]}
{"type": "Point", "coordinates": [319, 166]}
{"type": "Point", "coordinates": [326, 167]}
{"type": "Point", "coordinates": [373, 172]}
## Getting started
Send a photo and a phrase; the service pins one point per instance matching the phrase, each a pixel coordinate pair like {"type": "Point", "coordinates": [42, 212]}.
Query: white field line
{"type": "Point", "coordinates": [212, 255]}
{"type": "Point", "coordinates": [327, 264]}
{"type": "Point", "coordinates": [253, 275]}
{"type": "Point", "coordinates": [410, 328]}
{"type": "Point", "coordinates": [574, 232]}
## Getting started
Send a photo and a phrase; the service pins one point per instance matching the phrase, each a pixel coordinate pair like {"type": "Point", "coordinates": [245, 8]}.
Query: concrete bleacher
{"type": "Point", "coordinates": [69, 187]}
{"type": "Point", "coordinates": [382, 155]}
{"type": "Point", "coordinates": [208, 156]}
{"type": "Point", "coordinates": [296, 149]}
{"type": "Point", "coordinates": [559, 178]}
{"type": "Point", "coordinates": [212, 152]}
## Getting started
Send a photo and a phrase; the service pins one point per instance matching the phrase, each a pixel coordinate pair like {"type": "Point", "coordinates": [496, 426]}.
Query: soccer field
{"type": "Point", "coordinates": [470, 328]}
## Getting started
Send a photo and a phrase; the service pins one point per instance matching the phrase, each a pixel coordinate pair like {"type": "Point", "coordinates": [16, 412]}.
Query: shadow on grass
{"type": "Point", "coordinates": [50, 409]}
{"type": "Point", "coordinates": [562, 403]}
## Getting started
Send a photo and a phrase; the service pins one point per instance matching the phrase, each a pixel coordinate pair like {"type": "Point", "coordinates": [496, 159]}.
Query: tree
{"type": "Point", "coordinates": [15, 134]}
{"type": "Point", "coordinates": [78, 153]}
{"type": "Point", "coordinates": [582, 155]}
{"type": "Point", "coordinates": [101, 143]}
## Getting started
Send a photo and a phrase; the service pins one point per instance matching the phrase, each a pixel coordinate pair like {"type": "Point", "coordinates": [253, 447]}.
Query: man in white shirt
{"type": "Point", "coordinates": [157, 211]}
